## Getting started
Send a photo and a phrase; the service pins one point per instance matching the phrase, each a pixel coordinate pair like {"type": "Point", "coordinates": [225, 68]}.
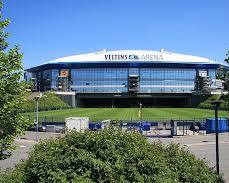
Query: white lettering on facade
{"type": "Point", "coordinates": [116, 57]}
{"type": "Point", "coordinates": [146, 57]}
{"type": "Point", "coordinates": [152, 57]}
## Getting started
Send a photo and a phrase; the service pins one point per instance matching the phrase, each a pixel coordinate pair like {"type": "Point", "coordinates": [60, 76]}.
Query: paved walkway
{"type": "Point", "coordinates": [24, 145]}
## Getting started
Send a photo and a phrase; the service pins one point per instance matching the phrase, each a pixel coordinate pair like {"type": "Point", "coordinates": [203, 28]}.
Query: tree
{"type": "Point", "coordinates": [226, 75]}
{"type": "Point", "coordinates": [12, 90]}
{"type": "Point", "coordinates": [227, 57]}
{"type": "Point", "coordinates": [110, 155]}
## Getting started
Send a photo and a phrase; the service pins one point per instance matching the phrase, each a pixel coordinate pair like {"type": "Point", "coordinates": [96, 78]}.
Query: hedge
{"type": "Point", "coordinates": [110, 156]}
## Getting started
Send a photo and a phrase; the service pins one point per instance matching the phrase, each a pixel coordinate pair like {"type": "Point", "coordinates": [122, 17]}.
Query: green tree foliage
{"type": "Point", "coordinates": [226, 75]}
{"type": "Point", "coordinates": [227, 57]}
{"type": "Point", "coordinates": [50, 102]}
{"type": "Point", "coordinates": [11, 92]}
{"type": "Point", "coordinates": [110, 156]}
{"type": "Point", "coordinates": [222, 73]}
{"type": "Point", "coordinates": [208, 105]}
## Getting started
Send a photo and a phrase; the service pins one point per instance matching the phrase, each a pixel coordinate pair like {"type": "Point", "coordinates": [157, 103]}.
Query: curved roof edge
{"type": "Point", "coordinates": [149, 56]}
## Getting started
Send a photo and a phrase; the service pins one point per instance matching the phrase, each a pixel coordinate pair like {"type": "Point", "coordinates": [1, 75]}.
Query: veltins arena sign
{"type": "Point", "coordinates": [145, 57]}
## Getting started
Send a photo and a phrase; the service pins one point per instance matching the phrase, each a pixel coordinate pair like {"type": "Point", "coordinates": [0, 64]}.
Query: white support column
{"type": "Point", "coordinates": [73, 101]}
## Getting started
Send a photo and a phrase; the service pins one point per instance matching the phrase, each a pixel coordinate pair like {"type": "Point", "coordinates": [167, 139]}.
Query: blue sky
{"type": "Point", "coordinates": [48, 29]}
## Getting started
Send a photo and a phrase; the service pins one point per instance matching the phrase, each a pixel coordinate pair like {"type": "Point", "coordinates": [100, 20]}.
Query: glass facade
{"type": "Point", "coordinates": [167, 80]}
{"type": "Point", "coordinates": [115, 80]}
{"type": "Point", "coordinates": [99, 80]}
{"type": "Point", "coordinates": [212, 76]}
{"type": "Point", "coordinates": [55, 74]}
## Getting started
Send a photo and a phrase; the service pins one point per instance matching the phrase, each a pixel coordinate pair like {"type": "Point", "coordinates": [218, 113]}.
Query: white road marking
{"type": "Point", "coordinates": [206, 143]}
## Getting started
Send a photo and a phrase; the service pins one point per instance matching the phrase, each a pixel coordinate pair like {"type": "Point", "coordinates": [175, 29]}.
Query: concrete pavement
{"type": "Point", "coordinates": [24, 145]}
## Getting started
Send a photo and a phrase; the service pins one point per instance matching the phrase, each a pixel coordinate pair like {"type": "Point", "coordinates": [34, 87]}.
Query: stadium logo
{"type": "Point", "coordinates": [133, 57]}
{"type": "Point", "coordinates": [146, 57]}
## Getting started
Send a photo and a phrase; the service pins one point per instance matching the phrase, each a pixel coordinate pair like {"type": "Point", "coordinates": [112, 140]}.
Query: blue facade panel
{"type": "Point", "coordinates": [71, 65]}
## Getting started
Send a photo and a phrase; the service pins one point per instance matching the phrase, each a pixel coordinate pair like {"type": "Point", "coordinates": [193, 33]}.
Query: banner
{"type": "Point", "coordinates": [64, 73]}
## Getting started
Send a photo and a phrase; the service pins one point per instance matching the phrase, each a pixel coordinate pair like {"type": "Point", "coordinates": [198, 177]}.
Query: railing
{"type": "Point", "coordinates": [96, 119]}
{"type": "Point", "coordinates": [159, 128]}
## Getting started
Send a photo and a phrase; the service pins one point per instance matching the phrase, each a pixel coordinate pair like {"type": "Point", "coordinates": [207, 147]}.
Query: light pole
{"type": "Point", "coordinates": [37, 98]}
{"type": "Point", "coordinates": [141, 113]}
{"type": "Point", "coordinates": [216, 105]}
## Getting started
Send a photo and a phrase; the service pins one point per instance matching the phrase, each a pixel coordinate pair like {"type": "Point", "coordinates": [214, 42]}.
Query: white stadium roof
{"type": "Point", "coordinates": [136, 55]}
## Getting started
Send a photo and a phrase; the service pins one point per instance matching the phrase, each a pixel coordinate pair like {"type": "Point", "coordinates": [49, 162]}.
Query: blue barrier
{"type": "Point", "coordinates": [222, 125]}
{"type": "Point", "coordinates": [146, 127]}
{"type": "Point", "coordinates": [94, 126]}
{"type": "Point", "coordinates": [202, 126]}
{"type": "Point", "coordinates": [91, 126]}
{"type": "Point", "coordinates": [146, 123]}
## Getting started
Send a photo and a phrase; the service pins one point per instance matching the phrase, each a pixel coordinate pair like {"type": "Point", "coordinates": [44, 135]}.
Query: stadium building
{"type": "Point", "coordinates": [125, 78]}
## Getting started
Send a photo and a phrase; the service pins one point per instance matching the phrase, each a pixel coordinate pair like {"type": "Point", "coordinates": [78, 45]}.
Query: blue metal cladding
{"type": "Point", "coordinates": [70, 65]}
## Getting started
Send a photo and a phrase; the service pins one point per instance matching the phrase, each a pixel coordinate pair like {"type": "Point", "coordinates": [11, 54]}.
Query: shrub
{"type": "Point", "coordinates": [110, 156]}
{"type": "Point", "coordinates": [50, 102]}
{"type": "Point", "coordinates": [207, 103]}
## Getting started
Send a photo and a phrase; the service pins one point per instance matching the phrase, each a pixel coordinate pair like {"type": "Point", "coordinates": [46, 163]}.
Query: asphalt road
{"type": "Point", "coordinates": [203, 146]}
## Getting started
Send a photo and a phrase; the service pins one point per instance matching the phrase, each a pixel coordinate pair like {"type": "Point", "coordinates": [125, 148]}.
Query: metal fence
{"type": "Point", "coordinates": [95, 119]}
{"type": "Point", "coordinates": [150, 127]}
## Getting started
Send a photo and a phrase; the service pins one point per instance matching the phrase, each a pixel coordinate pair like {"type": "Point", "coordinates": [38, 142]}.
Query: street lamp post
{"type": "Point", "coordinates": [37, 98]}
{"type": "Point", "coordinates": [37, 127]}
{"type": "Point", "coordinates": [216, 105]}
{"type": "Point", "coordinates": [141, 113]}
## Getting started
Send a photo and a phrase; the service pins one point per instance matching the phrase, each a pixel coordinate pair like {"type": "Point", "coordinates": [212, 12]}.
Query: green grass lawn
{"type": "Point", "coordinates": [128, 114]}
